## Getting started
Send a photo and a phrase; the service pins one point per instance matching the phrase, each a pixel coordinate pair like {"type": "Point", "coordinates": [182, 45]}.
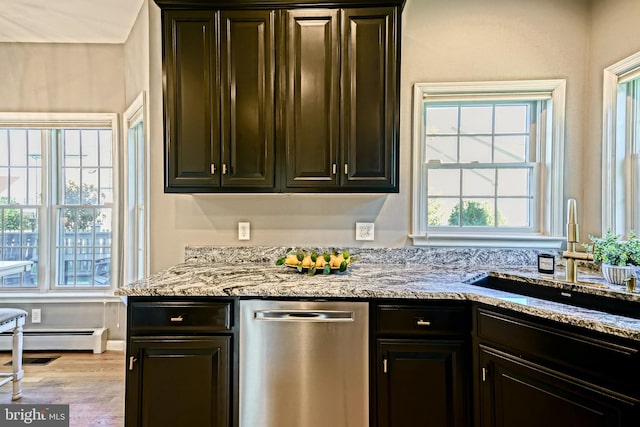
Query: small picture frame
{"type": "Point", "coordinates": [546, 263]}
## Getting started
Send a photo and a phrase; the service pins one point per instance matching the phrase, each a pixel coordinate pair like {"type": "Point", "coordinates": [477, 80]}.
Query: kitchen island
{"type": "Point", "coordinates": [487, 346]}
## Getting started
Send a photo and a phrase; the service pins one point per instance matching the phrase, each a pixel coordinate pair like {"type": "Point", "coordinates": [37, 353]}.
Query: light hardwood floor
{"type": "Point", "coordinates": [92, 385]}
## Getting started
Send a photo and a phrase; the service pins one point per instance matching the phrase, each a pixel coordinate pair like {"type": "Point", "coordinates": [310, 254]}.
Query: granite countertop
{"type": "Point", "coordinates": [201, 277]}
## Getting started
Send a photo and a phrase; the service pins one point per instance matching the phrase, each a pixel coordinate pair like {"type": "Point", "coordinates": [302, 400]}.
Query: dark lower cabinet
{"type": "Point", "coordinates": [181, 362]}
{"type": "Point", "coordinates": [179, 381]}
{"type": "Point", "coordinates": [533, 372]}
{"type": "Point", "coordinates": [420, 383]}
{"type": "Point", "coordinates": [516, 393]}
{"type": "Point", "coordinates": [421, 365]}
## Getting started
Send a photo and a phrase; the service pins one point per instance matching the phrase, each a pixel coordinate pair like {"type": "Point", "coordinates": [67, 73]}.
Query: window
{"type": "Point", "coordinates": [135, 265]}
{"type": "Point", "coordinates": [57, 200]}
{"type": "Point", "coordinates": [621, 147]}
{"type": "Point", "coordinates": [485, 157]}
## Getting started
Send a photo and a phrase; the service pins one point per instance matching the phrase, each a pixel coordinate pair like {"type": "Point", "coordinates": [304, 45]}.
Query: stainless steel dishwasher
{"type": "Point", "coordinates": [304, 364]}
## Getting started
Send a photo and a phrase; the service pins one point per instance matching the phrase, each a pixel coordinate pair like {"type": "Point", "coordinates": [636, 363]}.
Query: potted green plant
{"type": "Point", "coordinates": [619, 258]}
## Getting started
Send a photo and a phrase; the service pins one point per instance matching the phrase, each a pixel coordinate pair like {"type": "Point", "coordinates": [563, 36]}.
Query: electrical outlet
{"type": "Point", "coordinates": [364, 230]}
{"type": "Point", "coordinates": [244, 231]}
{"type": "Point", "coordinates": [36, 315]}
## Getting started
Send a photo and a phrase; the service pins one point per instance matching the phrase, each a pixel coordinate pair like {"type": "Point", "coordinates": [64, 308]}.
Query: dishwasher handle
{"type": "Point", "coordinates": [305, 315]}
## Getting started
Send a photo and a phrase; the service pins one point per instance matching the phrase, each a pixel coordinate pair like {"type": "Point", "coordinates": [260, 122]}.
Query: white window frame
{"type": "Point", "coordinates": [46, 288]}
{"type": "Point", "coordinates": [549, 212]}
{"type": "Point", "coordinates": [618, 194]}
{"type": "Point", "coordinates": [132, 268]}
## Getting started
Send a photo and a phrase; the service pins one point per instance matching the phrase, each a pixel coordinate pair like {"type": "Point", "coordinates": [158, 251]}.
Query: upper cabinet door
{"type": "Point", "coordinates": [370, 70]}
{"type": "Point", "coordinates": [311, 103]}
{"type": "Point", "coordinates": [190, 101]}
{"type": "Point", "coordinates": [247, 80]}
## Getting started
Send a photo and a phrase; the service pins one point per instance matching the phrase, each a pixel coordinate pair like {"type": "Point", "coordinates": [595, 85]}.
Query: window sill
{"type": "Point", "coordinates": [480, 240]}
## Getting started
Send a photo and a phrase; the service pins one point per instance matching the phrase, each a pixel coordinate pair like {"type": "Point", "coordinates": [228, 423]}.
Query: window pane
{"type": "Point", "coordinates": [478, 182]}
{"type": "Point", "coordinates": [71, 151]}
{"type": "Point", "coordinates": [84, 247]}
{"type": "Point", "coordinates": [442, 120]}
{"type": "Point", "coordinates": [106, 148]}
{"type": "Point", "coordinates": [510, 149]}
{"type": "Point", "coordinates": [19, 231]}
{"type": "Point", "coordinates": [513, 182]}
{"type": "Point", "coordinates": [477, 212]}
{"type": "Point", "coordinates": [443, 148]}
{"type": "Point", "coordinates": [106, 186]}
{"type": "Point", "coordinates": [444, 182]}
{"type": "Point", "coordinates": [475, 149]}
{"type": "Point", "coordinates": [89, 147]}
{"type": "Point", "coordinates": [476, 119]}
{"type": "Point", "coordinates": [89, 186]}
{"type": "Point", "coordinates": [71, 179]}
{"type": "Point", "coordinates": [18, 147]}
{"type": "Point", "coordinates": [512, 118]}
{"type": "Point", "coordinates": [18, 186]}
{"type": "Point", "coordinates": [441, 212]}
{"type": "Point", "coordinates": [514, 212]}
{"type": "Point", "coordinates": [4, 147]}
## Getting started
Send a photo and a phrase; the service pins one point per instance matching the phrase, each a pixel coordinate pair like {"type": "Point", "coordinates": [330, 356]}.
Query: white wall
{"type": "Point", "coordinates": [442, 41]}
{"type": "Point", "coordinates": [46, 77]}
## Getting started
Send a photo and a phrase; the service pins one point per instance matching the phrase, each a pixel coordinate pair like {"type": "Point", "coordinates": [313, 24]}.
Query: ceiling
{"type": "Point", "coordinates": [67, 21]}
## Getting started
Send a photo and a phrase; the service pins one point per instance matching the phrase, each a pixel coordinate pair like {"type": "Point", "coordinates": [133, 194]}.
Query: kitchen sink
{"type": "Point", "coordinates": [593, 298]}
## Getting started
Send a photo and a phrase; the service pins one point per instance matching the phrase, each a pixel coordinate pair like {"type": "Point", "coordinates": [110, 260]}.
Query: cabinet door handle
{"type": "Point", "coordinates": [421, 322]}
{"type": "Point", "coordinates": [177, 319]}
{"type": "Point", "coordinates": [484, 374]}
{"type": "Point", "coordinates": [224, 169]}
{"type": "Point", "coordinates": [346, 169]}
{"type": "Point", "coordinates": [384, 366]}
{"type": "Point", "coordinates": [213, 168]}
{"type": "Point", "coordinates": [132, 360]}
{"type": "Point", "coordinates": [334, 168]}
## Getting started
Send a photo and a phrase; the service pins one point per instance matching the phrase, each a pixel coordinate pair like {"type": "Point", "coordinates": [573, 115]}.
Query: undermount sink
{"type": "Point", "coordinates": [587, 297]}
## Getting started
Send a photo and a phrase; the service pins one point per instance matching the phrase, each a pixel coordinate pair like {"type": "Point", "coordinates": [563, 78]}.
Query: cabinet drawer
{"type": "Point", "coordinates": [180, 316]}
{"type": "Point", "coordinates": [422, 320]}
{"type": "Point", "coordinates": [591, 357]}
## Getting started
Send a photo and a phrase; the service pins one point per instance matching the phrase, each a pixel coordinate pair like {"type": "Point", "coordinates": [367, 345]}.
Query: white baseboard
{"type": "Point", "coordinates": [115, 345]}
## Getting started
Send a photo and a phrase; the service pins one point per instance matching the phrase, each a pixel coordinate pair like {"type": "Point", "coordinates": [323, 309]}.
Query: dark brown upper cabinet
{"type": "Point", "coordinates": [192, 132]}
{"type": "Point", "coordinates": [312, 98]}
{"type": "Point", "coordinates": [247, 78]}
{"type": "Point", "coordinates": [281, 96]}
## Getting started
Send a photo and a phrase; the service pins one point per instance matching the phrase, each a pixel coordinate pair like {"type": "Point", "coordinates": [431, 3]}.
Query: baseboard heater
{"type": "Point", "coordinates": [60, 339]}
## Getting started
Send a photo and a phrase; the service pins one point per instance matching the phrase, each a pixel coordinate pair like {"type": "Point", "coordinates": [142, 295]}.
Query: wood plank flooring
{"type": "Point", "coordinates": [92, 385]}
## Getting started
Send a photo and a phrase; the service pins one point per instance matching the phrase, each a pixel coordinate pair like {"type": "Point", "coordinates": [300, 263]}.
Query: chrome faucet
{"type": "Point", "coordinates": [573, 237]}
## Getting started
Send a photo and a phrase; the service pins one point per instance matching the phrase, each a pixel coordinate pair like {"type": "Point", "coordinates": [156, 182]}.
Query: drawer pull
{"type": "Point", "coordinates": [421, 322]}
{"type": "Point", "coordinates": [177, 319]}
{"type": "Point", "coordinates": [565, 294]}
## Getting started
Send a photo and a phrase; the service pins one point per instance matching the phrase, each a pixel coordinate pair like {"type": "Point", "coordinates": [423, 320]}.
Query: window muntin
{"type": "Point", "coordinates": [60, 183]}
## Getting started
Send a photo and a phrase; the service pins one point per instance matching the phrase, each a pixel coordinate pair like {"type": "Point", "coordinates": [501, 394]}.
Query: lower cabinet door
{"type": "Point", "coordinates": [178, 382]}
{"type": "Point", "coordinates": [513, 392]}
{"type": "Point", "coordinates": [421, 383]}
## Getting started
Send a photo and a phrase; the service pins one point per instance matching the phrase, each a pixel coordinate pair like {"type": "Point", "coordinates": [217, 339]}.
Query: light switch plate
{"type": "Point", "coordinates": [364, 230]}
{"type": "Point", "coordinates": [36, 315]}
{"type": "Point", "coordinates": [244, 231]}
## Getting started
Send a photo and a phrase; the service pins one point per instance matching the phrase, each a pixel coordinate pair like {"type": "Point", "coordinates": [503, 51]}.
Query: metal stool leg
{"type": "Point", "coordinates": [16, 362]}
